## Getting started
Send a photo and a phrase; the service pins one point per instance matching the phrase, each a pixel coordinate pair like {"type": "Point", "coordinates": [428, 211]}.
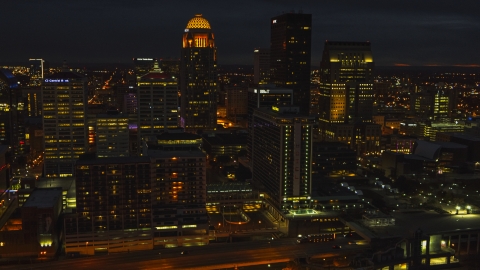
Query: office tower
{"type": "Point", "coordinates": [198, 77]}
{"type": "Point", "coordinates": [36, 71]}
{"type": "Point", "coordinates": [157, 94]}
{"type": "Point", "coordinates": [170, 66]}
{"type": "Point", "coordinates": [64, 99]}
{"type": "Point", "coordinates": [265, 96]}
{"type": "Point", "coordinates": [346, 96]}
{"type": "Point", "coordinates": [32, 97]}
{"type": "Point", "coordinates": [432, 103]}
{"type": "Point", "coordinates": [236, 102]}
{"type": "Point", "coordinates": [130, 103]}
{"type": "Point", "coordinates": [441, 106]}
{"type": "Point", "coordinates": [12, 131]}
{"type": "Point", "coordinates": [290, 53]}
{"type": "Point", "coordinates": [282, 156]}
{"type": "Point", "coordinates": [346, 83]}
{"type": "Point", "coordinates": [112, 135]}
{"type": "Point", "coordinates": [142, 66]}
{"type": "Point", "coordinates": [261, 66]}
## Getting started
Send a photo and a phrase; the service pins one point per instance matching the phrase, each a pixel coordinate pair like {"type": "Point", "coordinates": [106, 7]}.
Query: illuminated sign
{"type": "Point", "coordinates": [275, 108]}
{"type": "Point", "coordinates": [255, 51]}
{"type": "Point", "coordinates": [56, 80]}
{"type": "Point", "coordinates": [262, 91]}
{"type": "Point", "coordinates": [274, 21]}
{"type": "Point", "coordinates": [186, 30]}
{"type": "Point", "coordinates": [145, 59]}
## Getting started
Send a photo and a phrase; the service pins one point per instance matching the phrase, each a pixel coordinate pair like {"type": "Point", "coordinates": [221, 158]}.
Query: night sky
{"type": "Point", "coordinates": [417, 32]}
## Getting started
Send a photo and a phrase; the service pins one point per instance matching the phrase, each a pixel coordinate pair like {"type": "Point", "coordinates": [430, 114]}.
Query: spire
{"type": "Point", "coordinates": [65, 66]}
{"type": "Point", "coordinates": [156, 67]}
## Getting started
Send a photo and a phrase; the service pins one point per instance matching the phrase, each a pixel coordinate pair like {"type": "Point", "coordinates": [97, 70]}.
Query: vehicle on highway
{"type": "Point", "coordinates": [336, 247]}
{"type": "Point", "coordinates": [184, 252]}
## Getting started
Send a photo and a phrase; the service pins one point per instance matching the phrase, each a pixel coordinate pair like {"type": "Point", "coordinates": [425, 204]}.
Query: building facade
{"type": "Point", "coordinates": [141, 203]}
{"type": "Point", "coordinates": [290, 55]}
{"type": "Point", "coordinates": [346, 83]}
{"type": "Point", "coordinates": [282, 155]}
{"type": "Point", "coordinates": [64, 99]}
{"type": "Point", "coordinates": [198, 77]}
{"type": "Point", "coordinates": [112, 135]}
{"type": "Point", "coordinates": [261, 66]}
{"type": "Point", "coordinates": [157, 95]}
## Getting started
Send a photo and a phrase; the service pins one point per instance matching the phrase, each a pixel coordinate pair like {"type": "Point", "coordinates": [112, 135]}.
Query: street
{"type": "Point", "coordinates": [212, 256]}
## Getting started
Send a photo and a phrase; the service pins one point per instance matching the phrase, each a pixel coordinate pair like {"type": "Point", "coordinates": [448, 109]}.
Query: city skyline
{"type": "Point", "coordinates": [402, 33]}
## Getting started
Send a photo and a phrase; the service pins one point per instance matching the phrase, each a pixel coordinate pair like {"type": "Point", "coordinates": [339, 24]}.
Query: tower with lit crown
{"type": "Point", "coordinates": [198, 77]}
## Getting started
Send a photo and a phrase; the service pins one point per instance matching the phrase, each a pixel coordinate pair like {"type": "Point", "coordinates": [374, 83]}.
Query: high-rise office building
{"type": "Point", "coordinates": [261, 66]}
{"type": "Point", "coordinates": [346, 96]}
{"type": "Point", "coordinates": [282, 155]}
{"type": "Point", "coordinates": [157, 97]}
{"type": "Point", "coordinates": [143, 65]}
{"type": "Point", "coordinates": [290, 55]}
{"type": "Point", "coordinates": [36, 71]}
{"type": "Point", "coordinates": [32, 97]}
{"type": "Point", "coordinates": [198, 77]}
{"type": "Point", "coordinates": [346, 83]}
{"type": "Point", "coordinates": [236, 101]}
{"type": "Point", "coordinates": [112, 135]}
{"type": "Point", "coordinates": [64, 99]}
{"type": "Point", "coordinates": [265, 96]}
{"type": "Point", "coordinates": [10, 112]}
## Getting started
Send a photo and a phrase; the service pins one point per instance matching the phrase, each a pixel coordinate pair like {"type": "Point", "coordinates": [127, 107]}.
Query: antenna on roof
{"type": "Point", "coordinates": [64, 66]}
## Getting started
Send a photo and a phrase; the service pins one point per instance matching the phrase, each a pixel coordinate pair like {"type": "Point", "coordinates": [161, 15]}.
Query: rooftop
{"type": "Point", "coordinates": [198, 22]}
{"type": "Point", "coordinates": [430, 222]}
{"type": "Point", "coordinates": [178, 136]}
{"type": "Point", "coordinates": [113, 160]}
{"type": "Point", "coordinates": [44, 198]}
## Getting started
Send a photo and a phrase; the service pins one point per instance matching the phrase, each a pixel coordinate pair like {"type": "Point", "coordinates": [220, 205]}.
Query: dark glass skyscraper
{"type": "Point", "coordinates": [346, 83]}
{"type": "Point", "coordinates": [290, 53]}
{"type": "Point", "coordinates": [198, 77]}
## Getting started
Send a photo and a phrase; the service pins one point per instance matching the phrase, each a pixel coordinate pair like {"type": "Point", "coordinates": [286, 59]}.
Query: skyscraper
{"type": "Point", "coordinates": [11, 129]}
{"type": "Point", "coordinates": [198, 77]}
{"type": "Point", "coordinates": [261, 66]}
{"type": "Point", "coordinates": [346, 83]}
{"type": "Point", "coordinates": [157, 95]}
{"type": "Point", "coordinates": [64, 98]}
{"type": "Point", "coordinates": [290, 53]}
{"type": "Point", "coordinates": [36, 71]}
{"type": "Point", "coordinates": [112, 135]}
{"type": "Point", "coordinates": [143, 65]}
{"type": "Point", "coordinates": [346, 96]}
{"type": "Point", "coordinates": [282, 155]}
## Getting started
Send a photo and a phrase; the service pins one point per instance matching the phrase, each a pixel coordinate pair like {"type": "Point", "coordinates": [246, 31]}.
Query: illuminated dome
{"type": "Point", "coordinates": [198, 22]}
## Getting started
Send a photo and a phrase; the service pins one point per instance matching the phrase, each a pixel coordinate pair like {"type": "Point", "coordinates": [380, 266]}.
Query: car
{"type": "Point", "coordinates": [352, 243]}
{"type": "Point", "coordinates": [184, 252]}
{"type": "Point", "coordinates": [336, 247]}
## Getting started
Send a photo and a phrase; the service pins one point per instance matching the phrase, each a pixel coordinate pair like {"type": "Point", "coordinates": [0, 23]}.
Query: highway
{"type": "Point", "coordinates": [213, 256]}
